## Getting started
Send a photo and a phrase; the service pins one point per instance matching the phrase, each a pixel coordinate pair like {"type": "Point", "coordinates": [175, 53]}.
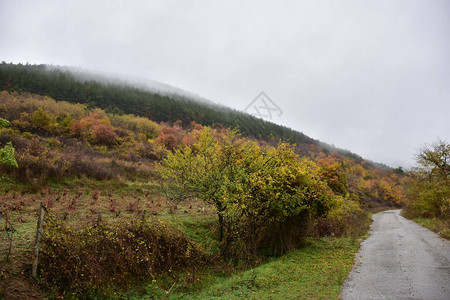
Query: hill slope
{"type": "Point", "coordinates": [156, 101]}
{"type": "Point", "coordinates": [87, 165]}
{"type": "Point", "coordinates": [62, 84]}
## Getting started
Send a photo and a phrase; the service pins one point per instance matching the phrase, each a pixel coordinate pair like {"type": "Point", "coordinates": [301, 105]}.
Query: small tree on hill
{"type": "Point", "coordinates": [263, 196]}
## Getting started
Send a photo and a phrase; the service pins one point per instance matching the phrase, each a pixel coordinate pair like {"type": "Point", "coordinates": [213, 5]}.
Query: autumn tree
{"type": "Point", "coordinates": [434, 159]}
{"type": "Point", "coordinates": [261, 195]}
{"type": "Point", "coordinates": [198, 171]}
{"type": "Point", "coordinates": [41, 118]}
{"type": "Point", "coordinates": [331, 171]}
{"type": "Point", "coordinates": [430, 190]}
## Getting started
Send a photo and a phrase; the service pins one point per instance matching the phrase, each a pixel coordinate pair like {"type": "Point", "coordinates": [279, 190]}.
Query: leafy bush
{"type": "Point", "coordinates": [346, 218]}
{"type": "Point", "coordinates": [429, 199]}
{"type": "Point", "coordinates": [43, 120]}
{"type": "Point", "coordinates": [103, 134]}
{"type": "Point", "coordinates": [262, 195]}
{"type": "Point", "coordinates": [7, 153]}
{"type": "Point", "coordinates": [430, 188]}
{"type": "Point", "coordinates": [332, 173]}
{"type": "Point", "coordinates": [170, 136]}
{"type": "Point", "coordinates": [95, 128]}
{"type": "Point", "coordinates": [100, 256]}
{"type": "Point", "coordinates": [137, 124]}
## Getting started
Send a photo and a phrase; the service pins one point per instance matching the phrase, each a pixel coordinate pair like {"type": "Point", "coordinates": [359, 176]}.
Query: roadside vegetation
{"type": "Point", "coordinates": [429, 188]}
{"type": "Point", "coordinates": [316, 270]}
{"type": "Point", "coordinates": [162, 209]}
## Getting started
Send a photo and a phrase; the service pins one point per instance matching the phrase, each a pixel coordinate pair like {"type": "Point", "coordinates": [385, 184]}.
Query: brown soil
{"type": "Point", "coordinates": [18, 287]}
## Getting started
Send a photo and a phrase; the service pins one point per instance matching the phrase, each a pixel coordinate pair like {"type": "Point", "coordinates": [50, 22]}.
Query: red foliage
{"type": "Point", "coordinates": [103, 133]}
{"type": "Point", "coordinates": [167, 140]}
{"type": "Point", "coordinates": [95, 128]}
{"type": "Point", "coordinates": [171, 136]}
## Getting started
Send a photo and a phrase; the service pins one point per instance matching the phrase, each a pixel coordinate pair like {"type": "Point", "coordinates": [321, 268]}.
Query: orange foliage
{"type": "Point", "coordinates": [103, 134]}
{"type": "Point", "coordinates": [171, 136]}
{"type": "Point", "coordinates": [95, 128]}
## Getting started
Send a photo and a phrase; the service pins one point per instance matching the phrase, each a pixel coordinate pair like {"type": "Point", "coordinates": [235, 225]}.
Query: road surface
{"type": "Point", "coordinates": [400, 260]}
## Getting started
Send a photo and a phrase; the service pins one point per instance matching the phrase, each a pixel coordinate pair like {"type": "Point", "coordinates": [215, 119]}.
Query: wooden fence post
{"type": "Point", "coordinates": [39, 232]}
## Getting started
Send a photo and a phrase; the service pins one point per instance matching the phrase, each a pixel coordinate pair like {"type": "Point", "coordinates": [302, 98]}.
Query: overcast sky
{"type": "Point", "coordinates": [372, 77]}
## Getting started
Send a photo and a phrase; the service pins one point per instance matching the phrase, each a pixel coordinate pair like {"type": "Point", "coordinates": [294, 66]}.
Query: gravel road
{"type": "Point", "coordinates": [400, 260]}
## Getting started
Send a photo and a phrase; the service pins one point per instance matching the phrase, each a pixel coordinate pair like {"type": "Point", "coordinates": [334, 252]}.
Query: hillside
{"type": "Point", "coordinates": [61, 84]}
{"type": "Point", "coordinates": [119, 186]}
{"type": "Point", "coordinates": [152, 100]}
{"type": "Point", "coordinates": [85, 141]}
{"type": "Point", "coordinates": [163, 117]}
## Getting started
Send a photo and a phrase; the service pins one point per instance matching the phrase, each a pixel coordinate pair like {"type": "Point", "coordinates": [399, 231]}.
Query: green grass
{"type": "Point", "coordinates": [427, 223]}
{"type": "Point", "coordinates": [439, 226]}
{"type": "Point", "coordinates": [7, 183]}
{"type": "Point", "coordinates": [199, 228]}
{"type": "Point", "coordinates": [315, 271]}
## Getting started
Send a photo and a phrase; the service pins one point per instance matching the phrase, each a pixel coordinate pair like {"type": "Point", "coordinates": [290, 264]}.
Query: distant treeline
{"type": "Point", "coordinates": [60, 84]}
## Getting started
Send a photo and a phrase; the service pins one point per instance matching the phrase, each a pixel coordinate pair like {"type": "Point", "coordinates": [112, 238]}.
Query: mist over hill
{"type": "Point", "coordinates": [153, 86]}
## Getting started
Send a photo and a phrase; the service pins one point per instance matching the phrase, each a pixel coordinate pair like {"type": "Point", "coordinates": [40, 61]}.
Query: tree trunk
{"type": "Point", "coordinates": [220, 227]}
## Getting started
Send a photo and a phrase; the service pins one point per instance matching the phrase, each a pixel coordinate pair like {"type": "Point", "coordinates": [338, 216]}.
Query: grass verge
{"type": "Point", "coordinates": [442, 227]}
{"type": "Point", "coordinates": [315, 271]}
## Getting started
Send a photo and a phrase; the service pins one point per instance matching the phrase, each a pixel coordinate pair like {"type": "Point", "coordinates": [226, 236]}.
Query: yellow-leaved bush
{"type": "Point", "coordinates": [264, 196]}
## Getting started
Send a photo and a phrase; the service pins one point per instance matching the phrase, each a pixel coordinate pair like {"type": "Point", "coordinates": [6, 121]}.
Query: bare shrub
{"type": "Point", "coordinates": [38, 163]}
{"type": "Point", "coordinates": [90, 167]}
{"type": "Point", "coordinates": [100, 255]}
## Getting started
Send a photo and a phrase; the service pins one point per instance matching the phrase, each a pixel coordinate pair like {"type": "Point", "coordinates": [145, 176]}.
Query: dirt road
{"type": "Point", "coordinates": [400, 260]}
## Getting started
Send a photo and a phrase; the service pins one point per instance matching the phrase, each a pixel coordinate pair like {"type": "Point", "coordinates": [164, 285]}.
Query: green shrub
{"type": "Point", "coordinates": [429, 199]}
{"type": "Point", "coordinates": [7, 155]}
{"type": "Point", "coordinates": [7, 152]}
{"type": "Point", "coordinates": [346, 218]}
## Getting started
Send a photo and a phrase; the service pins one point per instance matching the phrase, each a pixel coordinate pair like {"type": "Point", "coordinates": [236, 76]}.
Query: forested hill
{"type": "Point", "coordinates": [62, 84]}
